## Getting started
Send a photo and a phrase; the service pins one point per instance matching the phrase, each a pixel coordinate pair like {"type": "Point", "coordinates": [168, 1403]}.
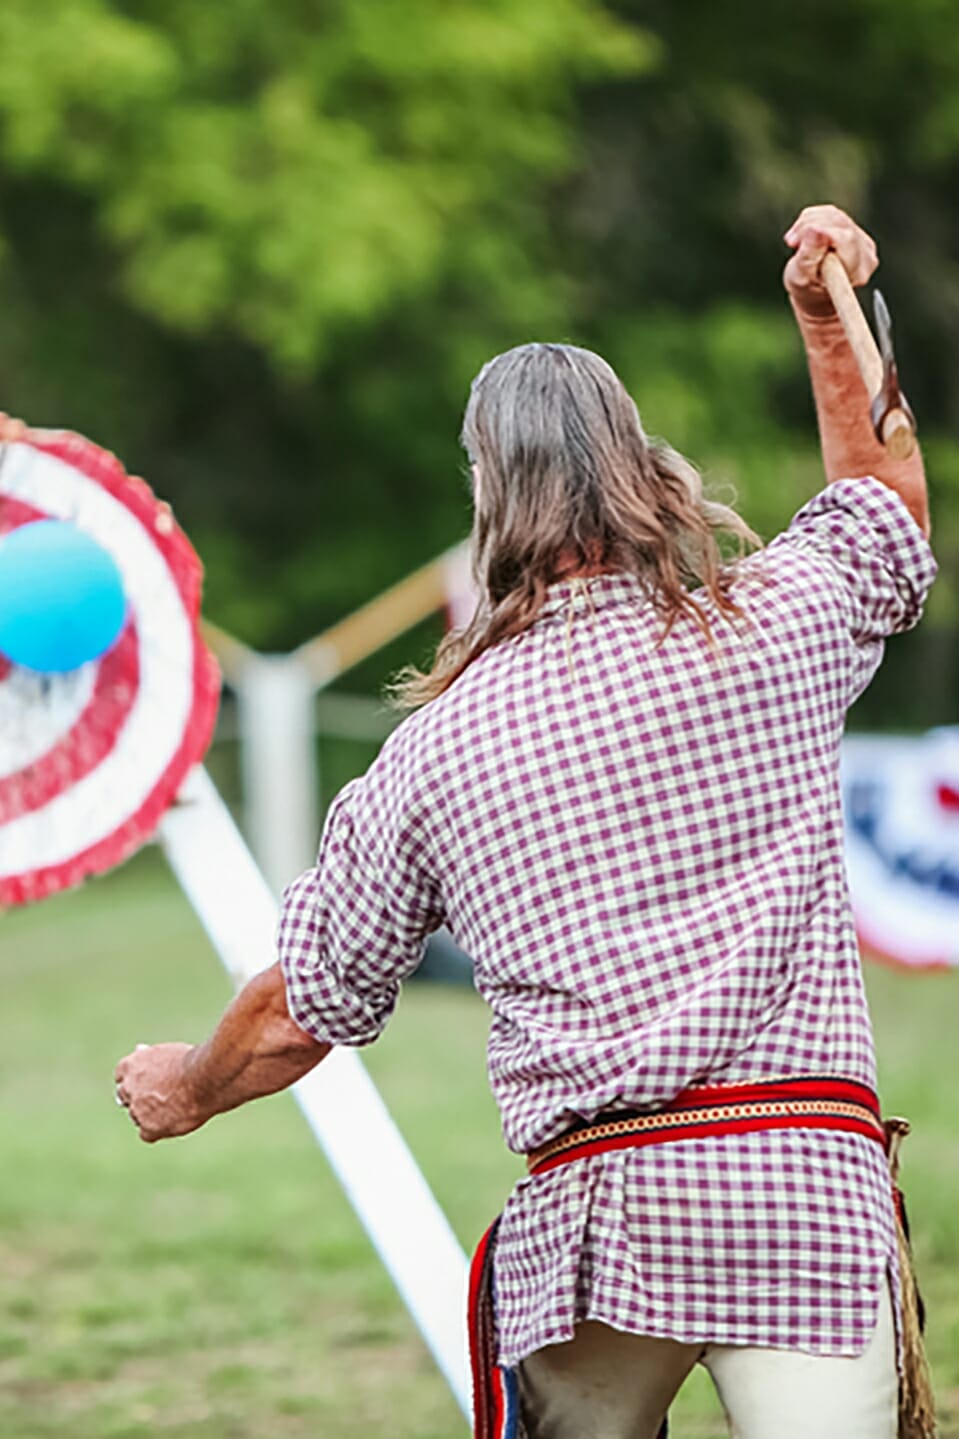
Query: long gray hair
{"type": "Point", "coordinates": [567, 481]}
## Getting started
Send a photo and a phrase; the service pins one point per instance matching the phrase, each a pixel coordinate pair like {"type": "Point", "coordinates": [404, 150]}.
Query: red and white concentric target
{"type": "Point", "coordinates": [89, 761]}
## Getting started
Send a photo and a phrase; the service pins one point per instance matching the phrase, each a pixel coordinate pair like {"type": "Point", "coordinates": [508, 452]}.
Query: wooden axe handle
{"type": "Point", "coordinates": [898, 432]}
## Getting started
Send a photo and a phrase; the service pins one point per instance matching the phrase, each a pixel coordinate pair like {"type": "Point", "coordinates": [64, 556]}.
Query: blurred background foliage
{"type": "Point", "coordinates": [260, 250]}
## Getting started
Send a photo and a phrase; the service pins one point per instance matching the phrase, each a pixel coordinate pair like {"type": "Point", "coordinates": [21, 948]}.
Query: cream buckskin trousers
{"type": "Point", "coordinates": [608, 1385]}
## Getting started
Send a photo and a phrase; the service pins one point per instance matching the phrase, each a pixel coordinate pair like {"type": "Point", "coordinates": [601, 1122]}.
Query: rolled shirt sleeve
{"type": "Point", "coordinates": [353, 927]}
{"type": "Point", "coordinates": [873, 557]}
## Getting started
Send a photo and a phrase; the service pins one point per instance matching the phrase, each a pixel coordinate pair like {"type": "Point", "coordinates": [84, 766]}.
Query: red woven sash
{"type": "Point", "coordinates": [709, 1110]}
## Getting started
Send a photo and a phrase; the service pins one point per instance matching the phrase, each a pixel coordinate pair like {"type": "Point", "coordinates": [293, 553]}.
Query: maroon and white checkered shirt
{"type": "Point", "coordinates": [641, 847]}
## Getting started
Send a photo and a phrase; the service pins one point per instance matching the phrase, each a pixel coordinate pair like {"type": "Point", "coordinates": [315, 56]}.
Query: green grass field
{"type": "Point", "coordinates": [219, 1286]}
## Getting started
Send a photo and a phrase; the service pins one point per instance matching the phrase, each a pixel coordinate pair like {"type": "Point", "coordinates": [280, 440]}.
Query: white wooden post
{"type": "Point", "coordinates": [275, 701]}
{"type": "Point", "coordinates": [342, 1105]}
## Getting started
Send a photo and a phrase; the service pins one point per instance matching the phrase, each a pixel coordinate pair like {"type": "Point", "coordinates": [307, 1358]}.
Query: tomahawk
{"type": "Point", "coordinates": [892, 418]}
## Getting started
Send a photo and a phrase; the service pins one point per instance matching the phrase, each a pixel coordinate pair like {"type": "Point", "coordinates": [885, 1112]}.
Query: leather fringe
{"type": "Point", "coordinates": [917, 1410]}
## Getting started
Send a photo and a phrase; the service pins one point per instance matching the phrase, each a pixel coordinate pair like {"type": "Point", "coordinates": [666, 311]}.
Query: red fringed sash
{"type": "Point", "coordinates": [495, 1390]}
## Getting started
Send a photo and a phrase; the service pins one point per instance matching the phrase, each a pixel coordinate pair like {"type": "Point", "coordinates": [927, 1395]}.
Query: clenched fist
{"type": "Point", "coordinates": [153, 1084]}
{"type": "Point", "coordinates": [816, 230]}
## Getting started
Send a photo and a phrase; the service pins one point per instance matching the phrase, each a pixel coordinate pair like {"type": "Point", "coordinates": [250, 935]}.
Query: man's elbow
{"type": "Point", "coordinates": [286, 1036]}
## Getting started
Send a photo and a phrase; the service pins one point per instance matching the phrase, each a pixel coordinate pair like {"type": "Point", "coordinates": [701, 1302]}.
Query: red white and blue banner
{"type": "Point", "coordinates": [901, 799]}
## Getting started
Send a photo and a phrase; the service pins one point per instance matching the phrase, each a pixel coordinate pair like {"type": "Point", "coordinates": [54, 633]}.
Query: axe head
{"type": "Point", "coordinates": [890, 396]}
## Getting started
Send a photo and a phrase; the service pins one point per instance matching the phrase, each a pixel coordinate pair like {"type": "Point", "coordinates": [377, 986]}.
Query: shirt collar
{"type": "Point", "coordinates": [594, 592]}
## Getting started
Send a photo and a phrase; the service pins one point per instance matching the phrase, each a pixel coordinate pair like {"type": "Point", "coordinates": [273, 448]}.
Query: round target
{"type": "Point", "coordinates": [90, 759]}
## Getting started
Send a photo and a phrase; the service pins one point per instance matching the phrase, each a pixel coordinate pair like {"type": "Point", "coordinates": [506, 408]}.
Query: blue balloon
{"type": "Point", "coordinates": [61, 597]}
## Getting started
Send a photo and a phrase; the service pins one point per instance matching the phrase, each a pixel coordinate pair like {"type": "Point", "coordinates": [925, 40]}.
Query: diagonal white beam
{"type": "Point", "coordinates": [342, 1105]}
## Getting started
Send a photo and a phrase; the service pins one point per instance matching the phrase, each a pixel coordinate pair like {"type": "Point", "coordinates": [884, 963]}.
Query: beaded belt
{"type": "Point", "coordinates": [709, 1110]}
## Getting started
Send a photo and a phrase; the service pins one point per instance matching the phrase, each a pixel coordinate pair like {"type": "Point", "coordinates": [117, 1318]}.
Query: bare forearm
{"type": "Point", "coordinates": [255, 1050]}
{"type": "Point", "coordinates": [849, 444]}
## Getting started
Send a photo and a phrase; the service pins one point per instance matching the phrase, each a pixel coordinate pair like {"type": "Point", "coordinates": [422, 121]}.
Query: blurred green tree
{"type": "Point", "coordinates": [689, 175]}
{"type": "Point", "coordinates": [283, 172]}
{"type": "Point", "coordinates": [260, 249]}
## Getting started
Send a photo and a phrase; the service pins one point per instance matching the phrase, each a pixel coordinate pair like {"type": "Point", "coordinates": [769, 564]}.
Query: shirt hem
{"type": "Point", "coordinates": [732, 1334]}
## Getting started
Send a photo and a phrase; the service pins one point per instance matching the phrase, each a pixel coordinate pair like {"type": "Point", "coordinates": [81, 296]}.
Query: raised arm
{"type": "Point", "coordinates": [256, 1049]}
{"type": "Point", "coordinates": [849, 445]}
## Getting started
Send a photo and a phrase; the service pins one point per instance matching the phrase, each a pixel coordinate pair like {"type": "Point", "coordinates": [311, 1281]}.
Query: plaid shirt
{"type": "Point", "coordinates": [641, 847]}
